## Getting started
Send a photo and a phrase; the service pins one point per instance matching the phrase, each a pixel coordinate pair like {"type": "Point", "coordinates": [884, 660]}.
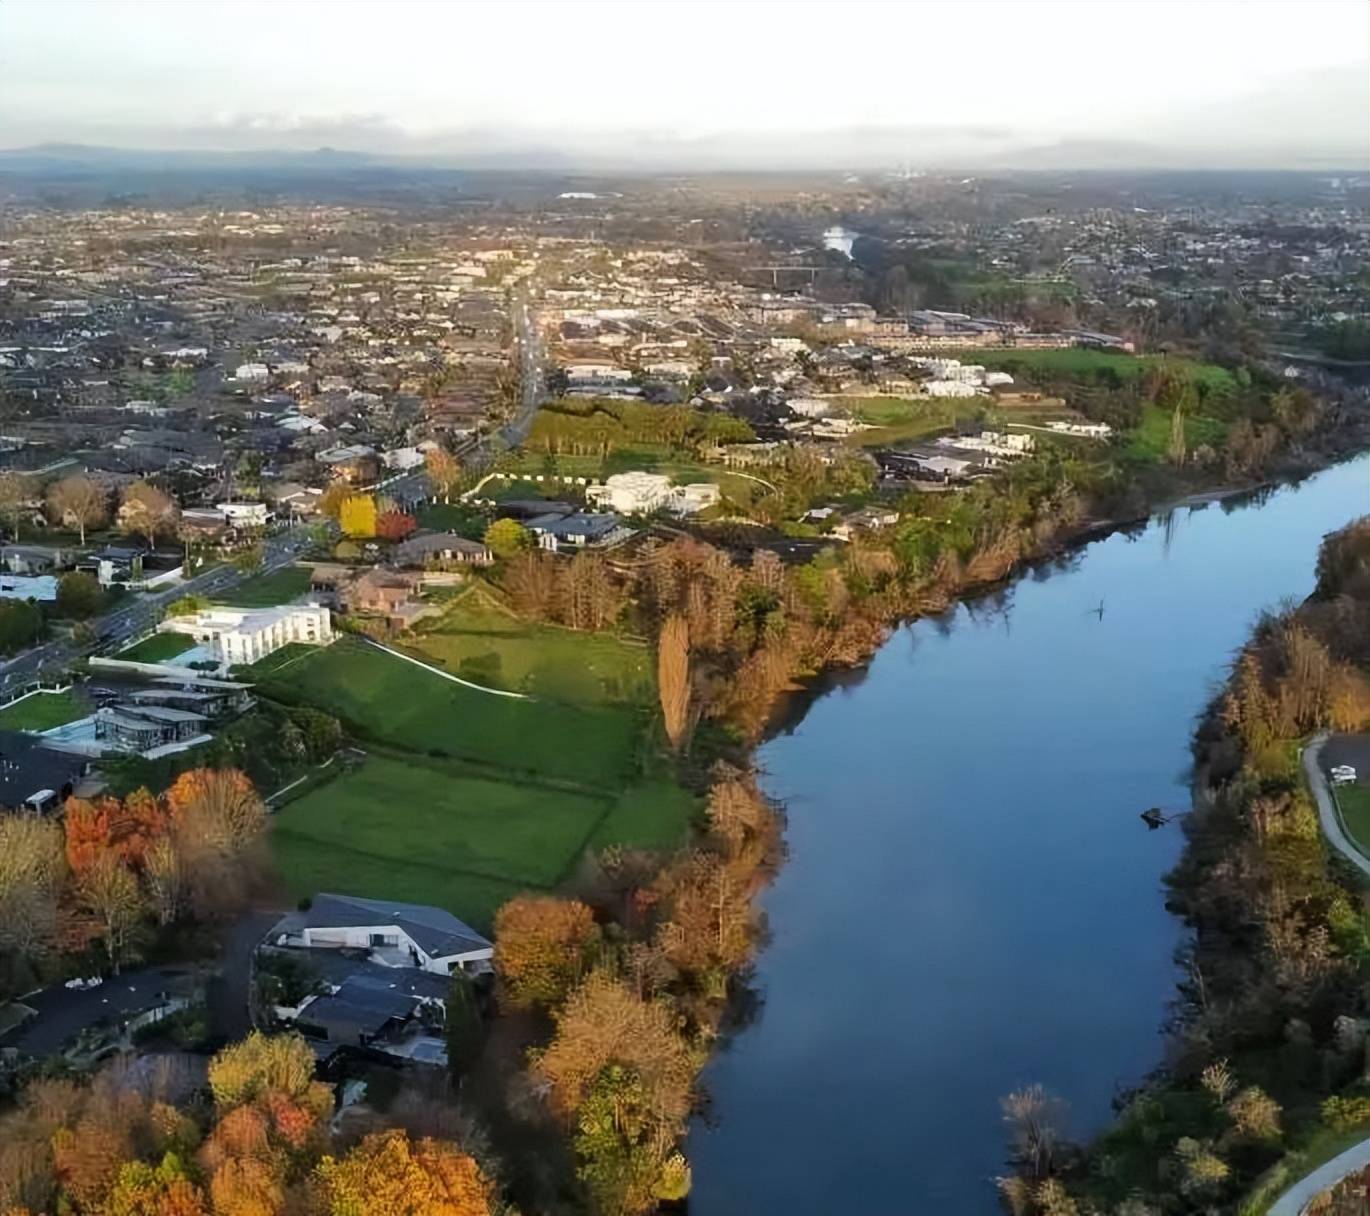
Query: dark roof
{"type": "Point", "coordinates": [27, 766]}
{"type": "Point", "coordinates": [580, 524]}
{"type": "Point", "coordinates": [438, 542]}
{"type": "Point", "coordinates": [439, 933]}
{"type": "Point", "coordinates": [534, 506]}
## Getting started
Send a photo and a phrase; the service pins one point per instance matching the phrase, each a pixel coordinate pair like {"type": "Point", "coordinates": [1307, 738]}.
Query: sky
{"type": "Point", "coordinates": [843, 83]}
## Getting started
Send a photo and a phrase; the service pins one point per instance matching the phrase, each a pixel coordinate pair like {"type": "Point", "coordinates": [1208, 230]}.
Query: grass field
{"type": "Point", "coordinates": [404, 827]}
{"type": "Point", "coordinates": [43, 711]}
{"type": "Point", "coordinates": [1354, 802]}
{"type": "Point", "coordinates": [479, 639]}
{"type": "Point", "coordinates": [648, 458]}
{"type": "Point", "coordinates": [158, 648]}
{"type": "Point", "coordinates": [453, 517]}
{"type": "Point", "coordinates": [901, 419]}
{"type": "Point", "coordinates": [383, 698]}
{"type": "Point", "coordinates": [1082, 361]}
{"type": "Point", "coordinates": [268, 590]}
{"type": "Point", "coordinates": [1151, 440]}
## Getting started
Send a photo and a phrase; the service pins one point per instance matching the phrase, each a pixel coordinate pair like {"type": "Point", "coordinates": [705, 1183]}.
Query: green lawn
{"type": "Point", "coordinates": [453, 517]}
{"type": "Point", "coordinates": [429, 832]}
{"type": "Point", "coordinates": [1151, 440]}
{"type": "Point", "coordinates": [43, 710]}
{"type": "Point", "coordinates": [1082, 361]}
{"type": "Point", "coordinates": [386, 699]}
{"type": "Point", "coordinates": [901, 419]}
{"type": "Point", "coordinates": [1354, 803]}
{"type": "Point", "coordinates": [268, 590]}
{"type": "Point", "coordinates": [158, 648]}
{"type": "Point", "coordinates": [649, 458]}
{"type": "Point", "coordinates": [480, 640]}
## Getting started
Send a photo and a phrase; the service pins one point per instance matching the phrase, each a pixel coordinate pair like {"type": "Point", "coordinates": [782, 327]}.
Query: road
{"type": "Point", "coordinates": [139, 612]}
{"type": "Point", "coordinates": [1302, 1193]}
{"type": "Point", "coordinates": [1327, 810]}
{"type": "Point", "coordinates": [412, 488]}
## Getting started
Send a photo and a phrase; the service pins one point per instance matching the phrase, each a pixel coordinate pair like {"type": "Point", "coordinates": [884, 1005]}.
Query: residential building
{"type": "Point", "coordinates": [430, 548]}
{"type": "Point", "coordinates": [635, 493]}
{"type": "Point", "coordinates": [246, 514]}
{"type": "Point", "coordinates": [244, 635]}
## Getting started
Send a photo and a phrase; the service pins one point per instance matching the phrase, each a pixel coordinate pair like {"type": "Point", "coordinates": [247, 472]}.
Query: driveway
{"type": "Point", "coordinates": [227, 995]}
{"type": "Point", "coordinates": [1298, 1196]}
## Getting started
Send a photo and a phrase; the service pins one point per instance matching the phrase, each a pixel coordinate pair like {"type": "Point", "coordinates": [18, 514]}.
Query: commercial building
{"type": "Point", "coordinates": [244, 635]}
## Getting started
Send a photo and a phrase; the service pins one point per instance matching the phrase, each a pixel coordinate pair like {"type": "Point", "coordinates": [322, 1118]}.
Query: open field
{"type": "Point", "coordinates": [453, 517]}
{"type": "Point", "coordinates": [405, 827]}
{"type": "Point", "coordinates": [901, 419]}
{"type": "Point", "coordinates": [381, 697]}
{"type": "Point", "coordinates": [1082, 361]}
{"type": "Point", "coordinates": [43, 710]}
{"type": "Point", "coordinates": [480, 640]}
{"type": "Point", "coordinates": [649, 458]}
{"type": "Point", "coordinates": [268, 590]}
{"type": "Point", "coordinates": [158, 648]}
{"type": "Point", "coordinates": [1354, 803]}
{"type": "Point", "coordinates": [1151, 439]}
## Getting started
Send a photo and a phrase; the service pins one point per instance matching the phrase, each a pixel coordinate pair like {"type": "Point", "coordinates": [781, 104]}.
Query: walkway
{"type": "Point", "coordinates": [1298, 1196]}
{"type": "Point", "coordinates": [1327, 807]}
{"type": "Point", "coordinates": [446, 675]}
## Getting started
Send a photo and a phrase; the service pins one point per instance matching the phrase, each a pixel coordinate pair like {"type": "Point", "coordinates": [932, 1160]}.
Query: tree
{"type": "Point", "coordinates": [543, 945]}
{"type": "Point", "coordinates": [395, 525]}
{"type": "Point", "coordinates": [15, 493]}
{"type": "Point", "coordinates": [387, 1174]}
{"type": "Point", "coordinates": [357, 516]}
{"type": "Point", "coordinates": [78, 502]}
{"type": "Point", "coordinates": [1176, 449]}
{"type": "Point", "coordinates": [218, 807]}
{"type": "Point", "coordinates": [147, 512]}
{"type": "Point", "coordinates": [161, 1190]}
{"type": "Point", "coordinates": [79, 595]}
{"type": "Point", "coordinates": [332, 499]}
{"type": "Point", "coordinates": [186, 605]}
{"type": "Point", "coordinates": [444, 473]}
{"type": "Point", "coordinates": [32, 869]}
{"type": "Point", "coordinates": [260, 1065]}
{"type": "Point", "coordinates": [21, 624]}
{"type": "Point", "coordinates": [507, 537]}
{"type": "Point", "coordinates": [465, 1028]}
{"type": "Point", "coordinates": [322, 732]}
{"type": "Point", "coordinates": [673, 677]}
{"type": "Point", "coordinates": [249, 560]}
{"type": "Point", "coordinates": [624, 1167]}
{"type": "Point", "coordinates": [108, 892]}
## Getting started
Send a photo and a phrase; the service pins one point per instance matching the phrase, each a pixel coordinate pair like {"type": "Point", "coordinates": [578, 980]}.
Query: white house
{"type": "Point", "coordinates": [245, 514]}
{"type": "Point", "coordinates": [252, 372]}
{"type": "Point", "coordinates": [635, 493]}
{"type": "Point", "coordinates": [695, 497]}
{"type": "Point", "coordinates": [393, 934]}
{"type": "Point", "coordinates": [244, 635]}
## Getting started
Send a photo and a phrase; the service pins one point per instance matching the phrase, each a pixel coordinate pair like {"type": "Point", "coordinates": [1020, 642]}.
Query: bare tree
{"type": "Point", "coordinates": [147, 512]}
{"type": "Point", "coordinates": [673, 677]}
{"type": "Point", "coordinates": [78, 502]}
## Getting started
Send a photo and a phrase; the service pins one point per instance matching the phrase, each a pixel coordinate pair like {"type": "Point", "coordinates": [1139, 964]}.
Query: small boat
{"type": "Point", "coordinates": [1154, 818]}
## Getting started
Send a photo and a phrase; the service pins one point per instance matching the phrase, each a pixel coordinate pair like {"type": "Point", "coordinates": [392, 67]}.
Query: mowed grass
{"type": "Point", "coordinates": [403, 827]}
{"type": "Point", "coordinates": [269, 590]}
{"type": "Point", "coordinates": [1354, 803]}
{"type": "Point", "coordinates": [1082, 361]}
{"type": "Point", "coordinates": [900, 420]}
{"type": "Point", "coordinates": [479, 639]}
{"type": "Point", "coordinates": [384, 698]}
{"type": "Point", "coordinates": [43, 711]}
{"type": "Point", "coordinates": [158, 648]}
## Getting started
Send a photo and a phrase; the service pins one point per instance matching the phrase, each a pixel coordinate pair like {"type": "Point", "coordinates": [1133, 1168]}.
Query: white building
{"type": "Point", "coordinates": [402, 458]}
{"type": "Point", "coordinates": [695, 497]}
{"type": "Point", "coordinates": [252, 372]}
{"type": "Point", "coordinates": [245, 514]}
{"type": "Point", "coordinates": [809, 407]}
{"type": "Point", "coordinates": [244, 635]}
{"type": "Point", "coordinates": [950, 388]}
{"type": "Point", "coordinates": [588, 374]}
{"type": "Point", "coordinates": [635, 493]}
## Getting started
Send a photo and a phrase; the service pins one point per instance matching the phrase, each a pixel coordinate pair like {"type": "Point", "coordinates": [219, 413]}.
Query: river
{"type": "Point", "coordinates": [971, 902]}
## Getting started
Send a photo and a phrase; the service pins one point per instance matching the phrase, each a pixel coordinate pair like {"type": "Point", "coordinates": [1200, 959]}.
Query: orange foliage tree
{"type": "Point", "coordinates": [389, 1175]}
{"type": "Point", "coordinates": [543, 945]}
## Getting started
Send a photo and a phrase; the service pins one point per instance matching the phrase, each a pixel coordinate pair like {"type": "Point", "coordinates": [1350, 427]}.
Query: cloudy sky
{"type": "Point", "coordinates": [839, 83]}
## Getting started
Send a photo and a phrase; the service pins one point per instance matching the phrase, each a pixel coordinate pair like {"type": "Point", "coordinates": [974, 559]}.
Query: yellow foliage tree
{"type": "Point", "coordinates": [357, 516]}
{"type": "Point", "coordinates": [388, 1175]}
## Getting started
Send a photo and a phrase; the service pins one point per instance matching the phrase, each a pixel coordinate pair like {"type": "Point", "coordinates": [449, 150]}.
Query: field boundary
{"type": "Point", "coordinates": [447, 675]}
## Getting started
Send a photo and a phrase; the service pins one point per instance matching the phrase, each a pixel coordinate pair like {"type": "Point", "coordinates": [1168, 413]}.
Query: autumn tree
{"type": "Point", "coordinates": [147, 512]}
{"type": "Point", "coordinates": [32, 869]}
{"type": "Point", "coordinates": [78, 502]}
{"type": "Point", "coordinates": [260, 1065]}
{"type": "Point", "coordinates": [530, 579]}
{"type": "Point", "coordinates": [163, 1189]}
{"type": "Point", "coordinates": [387, 1174]}
{"type": "Point", "coordinates": [588, 594]}
{"type": "Point", "coordinates": [357, 516]}
{"type": "Point", "coordinates": [395, 525]}
{"type": "Point", "coordinates": [543, 945]}
{"type": "Point", "coordinates": [506, 537]}
{"type": "Point", "coordinates": [219, 808]}
{"type": "Point", "coordinates": [709, 925]}
{"type": "Point", "coordinates": [444, 473]}
{"type": "Point", "coordinates": [16, 491]}
{"type": "Point", "coordinates": [109, 893]}
{"type": "Point", "coordinates": [673, 678]}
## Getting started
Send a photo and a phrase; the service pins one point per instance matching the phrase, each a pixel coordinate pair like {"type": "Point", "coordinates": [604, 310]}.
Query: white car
{"type": "Point", "coordinates": [1343, 774]}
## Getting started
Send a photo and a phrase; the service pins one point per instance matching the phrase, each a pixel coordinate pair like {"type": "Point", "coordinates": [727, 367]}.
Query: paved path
{"type": "Point", "coordinates": [1327, 808]}
{"type": "Point", "coordinates": [1298, 1196]}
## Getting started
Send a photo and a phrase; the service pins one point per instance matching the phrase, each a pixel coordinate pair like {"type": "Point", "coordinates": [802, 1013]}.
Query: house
{"type": "Point", "coordinates": [387, 932]}
{"type": "Point", "coordinates": [635, 493]}
{"type": "Point", "coordinates": [113, 565]}
{"type": "Point", "coordinates": [245, 514]}
{"type": "Point", "coordinates": [35, 775]}
{"type": "Point", "coordinates": [251, 372]}
{"type": "Point", "coordinates": [432, 548]}
{"type": "Point", "coordinates": [386, 593]}
{"type": "Point", "coordinates": [202, 523]}
{"type": "Point", "coordinates": [355, 464]}
{"type": "Point", "coordinates": [149, 728]}
{"type": "Point", "coordinates": [30, 559]}
{"type": "Point", "coordinates": [867, 519]}
{"type": "Point", "coordinates": [578, 531]}
{"type": "Point", "coordinates": [244, 635]}
{"type": "Point", "coordinates": [693, 498]}
{"type": "Point", "coordinates": [41, 588]}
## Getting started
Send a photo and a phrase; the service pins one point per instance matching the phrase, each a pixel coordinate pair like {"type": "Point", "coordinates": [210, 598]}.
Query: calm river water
{"type": "Point", "coordinates": [971, 902]}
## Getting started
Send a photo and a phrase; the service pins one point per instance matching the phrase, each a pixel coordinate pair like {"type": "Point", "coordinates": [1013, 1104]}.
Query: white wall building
{"type": "Point", "coordinates": [245, 514]}
{"type": "Point", "coordinates": [635, 493]}
{"type": "Point", "coordinates": [244, 635]}
{"type": "Point", "coordinates": [252, 372]}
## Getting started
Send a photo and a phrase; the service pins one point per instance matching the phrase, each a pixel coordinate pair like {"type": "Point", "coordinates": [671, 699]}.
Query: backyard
{"type": "Point", "coordinates": [479, 639]}
{"type": "Point", "coordinates": [380, 697]}
{"type": "Point", "coordinates": [158, 648]}
{"type": "Point", "coordinates": [269, 590]}
{"type": "Point", "coordinates": [43, 711]}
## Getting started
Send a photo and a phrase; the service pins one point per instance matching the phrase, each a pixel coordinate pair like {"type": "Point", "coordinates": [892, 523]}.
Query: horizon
{"type": "Point", "coordinates": [901, 87]}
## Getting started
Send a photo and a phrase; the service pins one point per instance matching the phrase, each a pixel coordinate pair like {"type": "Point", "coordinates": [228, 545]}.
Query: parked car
{"type": "Point", "coordinates": [1343, 774]}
